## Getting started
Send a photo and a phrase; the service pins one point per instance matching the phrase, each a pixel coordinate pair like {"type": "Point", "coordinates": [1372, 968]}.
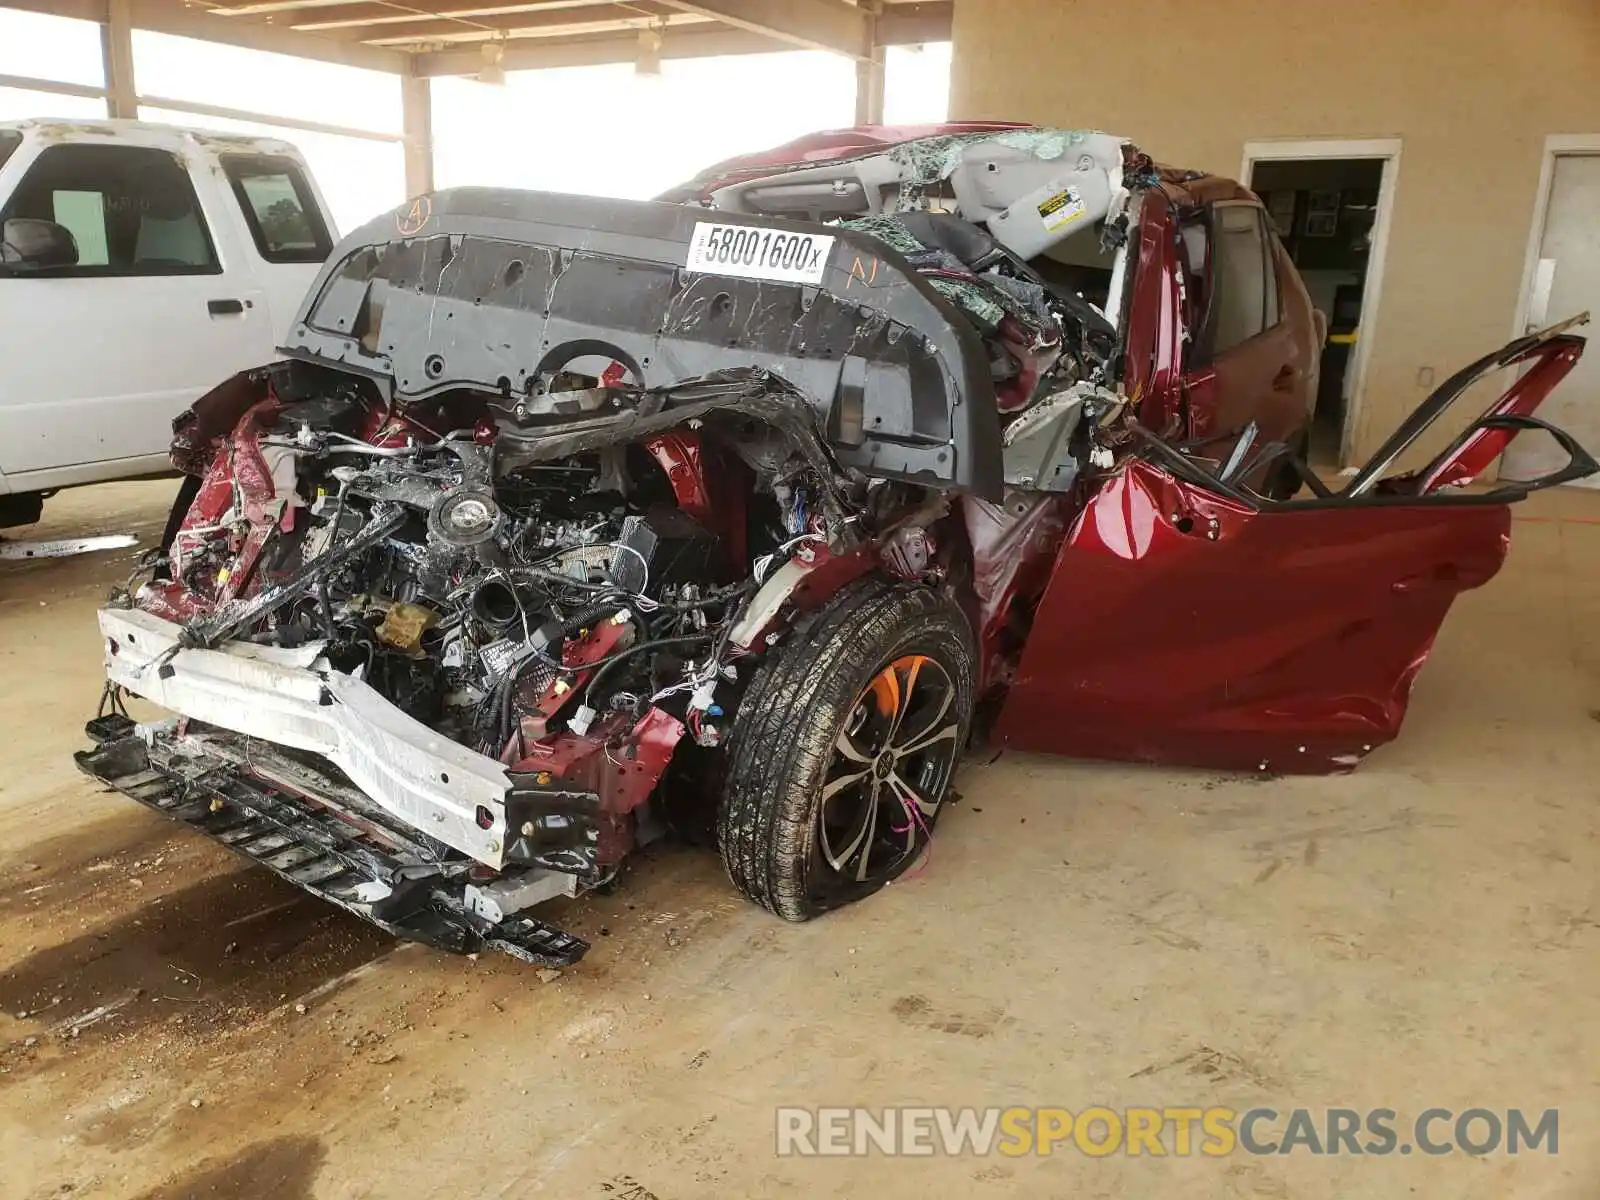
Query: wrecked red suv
{"type": "Point", "coordinates": [565, 519]}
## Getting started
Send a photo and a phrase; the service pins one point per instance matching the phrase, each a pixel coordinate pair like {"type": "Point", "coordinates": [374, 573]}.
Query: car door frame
{"type": "Point", "coordinates": [1229, 389]}
{"type": "Point", "coordinates": [1230, 630]}
{"type": "Point", "coordinates": [281, 280]}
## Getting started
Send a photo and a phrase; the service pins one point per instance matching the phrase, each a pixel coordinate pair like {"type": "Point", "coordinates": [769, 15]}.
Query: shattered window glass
{"type": "Point", "coordinates": [987, 306]}
{"type": "Point", "coordinates": [131, 209]}
{"type": "Point", "coordinates": [928, 160]}
{"type": "Point", "coordinates": [923, 162]}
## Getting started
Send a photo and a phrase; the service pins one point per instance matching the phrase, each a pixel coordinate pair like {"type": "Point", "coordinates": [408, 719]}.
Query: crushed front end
{"type": "Point", "coordinates": [438, 679]}
{"type": "Point", "coordinates": [462, 597]}
{"type": "Point", "coordinates": [309, 825]}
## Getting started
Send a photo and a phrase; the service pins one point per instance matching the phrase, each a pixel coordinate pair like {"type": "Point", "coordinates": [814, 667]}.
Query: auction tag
{"type": "Point", "coordinates": [749, 252]}
{"type": "Point", "coordinates": [1065, 207]}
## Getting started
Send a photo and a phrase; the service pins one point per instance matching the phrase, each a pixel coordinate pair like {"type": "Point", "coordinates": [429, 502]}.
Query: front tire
{"type": "Point", "coordinates": [844, 747]}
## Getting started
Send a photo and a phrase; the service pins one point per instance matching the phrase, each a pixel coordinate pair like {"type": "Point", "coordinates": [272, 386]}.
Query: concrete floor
{"type": "Point", "coordinates": [1422, 933]}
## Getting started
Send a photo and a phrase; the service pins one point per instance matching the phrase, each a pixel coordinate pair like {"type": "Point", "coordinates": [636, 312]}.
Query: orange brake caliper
{"type": "Point", "coordinates": [886, 687]}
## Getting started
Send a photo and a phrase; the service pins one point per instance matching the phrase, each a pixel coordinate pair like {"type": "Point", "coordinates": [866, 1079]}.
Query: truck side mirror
{"type": "Point", "coordinates": [30, 244]}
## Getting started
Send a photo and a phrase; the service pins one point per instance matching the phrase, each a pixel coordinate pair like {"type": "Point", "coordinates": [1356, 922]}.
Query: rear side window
{"type": "Point", "coordinates": [279, 208]}
{"type": "Point", "coordinates": [10, 139]}
{"type": "Point", "coordinates": [1244, 282]}
{"type": "Point", "coordinates": [131, 209]}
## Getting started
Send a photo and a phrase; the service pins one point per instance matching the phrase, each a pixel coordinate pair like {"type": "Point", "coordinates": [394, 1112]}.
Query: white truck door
{"type": "Point", "coordinates": [288, 224]}
{"type": "Point", "coordinates": [101, 355]}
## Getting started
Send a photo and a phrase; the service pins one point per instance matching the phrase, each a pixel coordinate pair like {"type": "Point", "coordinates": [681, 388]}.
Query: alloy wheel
{"type": "Point", "coordinates": [892, 763]}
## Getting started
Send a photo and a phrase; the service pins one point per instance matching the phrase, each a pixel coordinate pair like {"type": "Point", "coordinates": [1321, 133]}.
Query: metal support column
{"type": "Point", "coordinates": [416, 103]}
{"type": "Point", "coordinates": [869, 69]}
{"type": "Point", "coordinates": [116, 50]}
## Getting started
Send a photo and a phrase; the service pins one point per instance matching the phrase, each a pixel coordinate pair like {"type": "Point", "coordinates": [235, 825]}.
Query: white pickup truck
{"type": "Point", "coordinates": [139, 264]}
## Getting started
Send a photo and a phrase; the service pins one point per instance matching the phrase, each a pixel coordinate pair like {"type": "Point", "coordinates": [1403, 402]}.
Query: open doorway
{"type": "Point", "coordinates": [1329, 203]}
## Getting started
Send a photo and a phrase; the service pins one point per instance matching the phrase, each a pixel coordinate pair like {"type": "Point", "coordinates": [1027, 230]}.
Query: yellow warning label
{"type": "Point", "coordinates": [1065, 207]}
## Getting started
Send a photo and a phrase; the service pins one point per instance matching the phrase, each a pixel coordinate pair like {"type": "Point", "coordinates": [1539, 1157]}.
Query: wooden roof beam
{"type": "Point", "coordinates": [357, 17]}
{"type": "Point", "coordinates": [811, 24]}
{"type": "Point", "coordinates": [926, 22]}
{"type": "Point", "coordinates": [537, 54]}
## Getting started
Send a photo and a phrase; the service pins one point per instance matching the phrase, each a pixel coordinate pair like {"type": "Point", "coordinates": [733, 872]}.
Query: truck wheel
{"type": "Point", "coordinates": [843, 749]}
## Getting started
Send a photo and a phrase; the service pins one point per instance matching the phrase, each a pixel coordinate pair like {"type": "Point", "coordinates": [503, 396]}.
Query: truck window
{"type": "Point", "coordinates": [10, 139]}
{"type": "Point", "coordinates": [1244, 284]}
{"type": "Point", "coordinates": [132, 210]}
{"type": "Point", "coordinates": [279, 208]}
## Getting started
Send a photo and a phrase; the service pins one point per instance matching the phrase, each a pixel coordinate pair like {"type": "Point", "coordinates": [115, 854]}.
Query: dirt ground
{"type": "Point", "coordinates": [1422, 933]}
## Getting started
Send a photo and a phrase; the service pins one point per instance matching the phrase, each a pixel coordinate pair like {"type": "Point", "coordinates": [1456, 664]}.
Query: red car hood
{"type": "Point", "coordinates": [828, 145]}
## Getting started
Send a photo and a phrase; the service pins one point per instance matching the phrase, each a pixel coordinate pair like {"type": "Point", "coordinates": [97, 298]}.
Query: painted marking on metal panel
{"type": "Point", "coordinates": [414, 219]}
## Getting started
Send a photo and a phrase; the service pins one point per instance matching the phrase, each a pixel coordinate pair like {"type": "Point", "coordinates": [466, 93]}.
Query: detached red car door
{"type": "Point", "coordinates": [1190, 621]}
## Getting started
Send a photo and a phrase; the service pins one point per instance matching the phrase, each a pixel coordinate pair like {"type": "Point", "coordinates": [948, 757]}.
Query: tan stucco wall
{"type": "Point", "coordinates": [1471, 86]}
